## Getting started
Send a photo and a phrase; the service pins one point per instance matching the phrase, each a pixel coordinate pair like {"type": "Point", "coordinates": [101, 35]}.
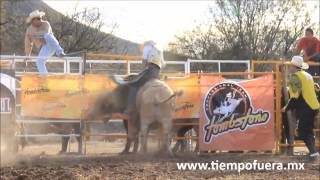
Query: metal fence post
{"type": "Point", "coordinates": [128, 67]}
{"type": "Point", "coordinates": [82, 123]}
{"type": "Point", "coordinates": [84, 62]}
{"type": "Point", "coordinates": [249, 69]}
{"type": "Point", "coordinates": [278, 121]}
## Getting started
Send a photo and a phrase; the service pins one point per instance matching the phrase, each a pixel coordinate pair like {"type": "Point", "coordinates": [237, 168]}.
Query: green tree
{"type": "Point", "coordinates": [81, 30]}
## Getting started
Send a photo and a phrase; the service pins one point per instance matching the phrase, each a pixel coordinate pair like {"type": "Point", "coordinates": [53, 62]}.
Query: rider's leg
{"type": "Point", "coordinates": [150, 73]}
{"type": "Point", "coordinates": [131, 101]}
{"type": "Point", "coordinates": [65, 141]}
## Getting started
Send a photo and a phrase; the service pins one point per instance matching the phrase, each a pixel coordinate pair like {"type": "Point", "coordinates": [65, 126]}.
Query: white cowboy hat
{"type": "Point", "coordinates": [35, 14]}
{"type": "Point", "coordinates": [149, 42]}
{"type": "Point", "coordinates": [298, 62]}
{"type": "Point", "coordinates": [145, 43]}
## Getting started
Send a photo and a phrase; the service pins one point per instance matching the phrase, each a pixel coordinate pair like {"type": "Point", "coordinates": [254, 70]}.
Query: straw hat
{"type": "Point", "coordinates": [298, 62]}
{"type": "Point", "coordinates": [35, 14]}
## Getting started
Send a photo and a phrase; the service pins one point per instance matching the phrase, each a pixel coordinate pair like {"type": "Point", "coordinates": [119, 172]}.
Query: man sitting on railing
{"type": "Point", "coordinates": [309, 45]}
{"type": "Point", "coordinates": [303, 99]}
{"type": "Point", "coordinates": [40, 33]}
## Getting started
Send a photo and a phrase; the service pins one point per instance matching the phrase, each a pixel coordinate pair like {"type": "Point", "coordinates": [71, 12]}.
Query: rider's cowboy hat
{"type": "Point", "coordinates": [151, 54]}
{"type": "Point", "coordinates": [298, 62]}
{"type": "Point", "coordinates": [149, 42]}
{"type": "Point", "coordinates": [35, 14]}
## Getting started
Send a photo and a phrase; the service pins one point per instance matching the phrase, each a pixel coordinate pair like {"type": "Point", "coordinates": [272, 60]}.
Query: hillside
{"type": "Point", "coordinates": [13, 26]}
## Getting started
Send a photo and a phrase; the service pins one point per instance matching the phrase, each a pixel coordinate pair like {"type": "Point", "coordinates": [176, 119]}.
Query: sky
{"type": "Point", "coordinates": [139, 21]}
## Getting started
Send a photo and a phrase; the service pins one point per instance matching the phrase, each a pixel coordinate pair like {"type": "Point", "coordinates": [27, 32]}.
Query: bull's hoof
{"type": "Point", "coordinates": [175, 149]}
{"type": "Point", "coordinates": [124, 152]}
{"type": "Point", "coordinates": [290, 151]}
{"type": "Point", "coordinates": [61, 152]}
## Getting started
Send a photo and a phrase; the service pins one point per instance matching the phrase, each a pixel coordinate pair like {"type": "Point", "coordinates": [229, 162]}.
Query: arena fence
{"type": "Point", "coordinates": [217, 65]}
{"type": "Point", "coordinates": [82, 65]}
{"type": "Point", "coordinates": [26, 65]}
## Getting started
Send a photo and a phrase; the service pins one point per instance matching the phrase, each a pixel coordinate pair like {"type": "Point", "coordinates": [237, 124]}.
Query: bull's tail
{"type": "Point", "coordinates": [175, 94]}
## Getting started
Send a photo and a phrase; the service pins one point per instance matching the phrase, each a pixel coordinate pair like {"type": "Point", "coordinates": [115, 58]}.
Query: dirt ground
{"type": "Point", "coordinates": [103, 162]}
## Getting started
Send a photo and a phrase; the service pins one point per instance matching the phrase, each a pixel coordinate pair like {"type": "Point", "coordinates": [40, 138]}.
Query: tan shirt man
{"type": "Point", "coordinates": [35, 35]}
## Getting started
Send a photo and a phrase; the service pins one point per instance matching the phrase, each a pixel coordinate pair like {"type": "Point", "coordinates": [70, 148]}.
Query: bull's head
{"type": "Point", "coordinates": [101, 109]}
{"type": "Point", "coordinates": [108, 103]}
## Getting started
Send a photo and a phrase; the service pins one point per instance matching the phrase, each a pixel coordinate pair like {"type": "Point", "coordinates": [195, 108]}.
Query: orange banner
{"type": "Point", "coordinates": [236, 115]}
{"type": "Point", "coordinates": [66, 96]}
{"type": "Point", "coordinates": [60, 96]}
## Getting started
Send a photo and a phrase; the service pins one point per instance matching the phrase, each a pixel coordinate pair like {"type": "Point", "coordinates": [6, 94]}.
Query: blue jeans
{"type": "Point", "coordinates": [51, 47]}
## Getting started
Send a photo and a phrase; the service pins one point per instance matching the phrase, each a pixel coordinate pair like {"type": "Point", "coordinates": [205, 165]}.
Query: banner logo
{"type": "Point", "coordinates": [228, 107]}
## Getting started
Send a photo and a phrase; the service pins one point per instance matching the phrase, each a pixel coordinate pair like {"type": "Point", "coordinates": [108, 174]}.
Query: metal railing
{"type": "Point", "coordinates": [27, 64]}
{"type": "Point", "coordinates": [219, 63]}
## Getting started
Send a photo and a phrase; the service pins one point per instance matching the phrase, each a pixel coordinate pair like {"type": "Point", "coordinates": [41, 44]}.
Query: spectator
{"type": "Point", "coordinates": [309, 45]}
